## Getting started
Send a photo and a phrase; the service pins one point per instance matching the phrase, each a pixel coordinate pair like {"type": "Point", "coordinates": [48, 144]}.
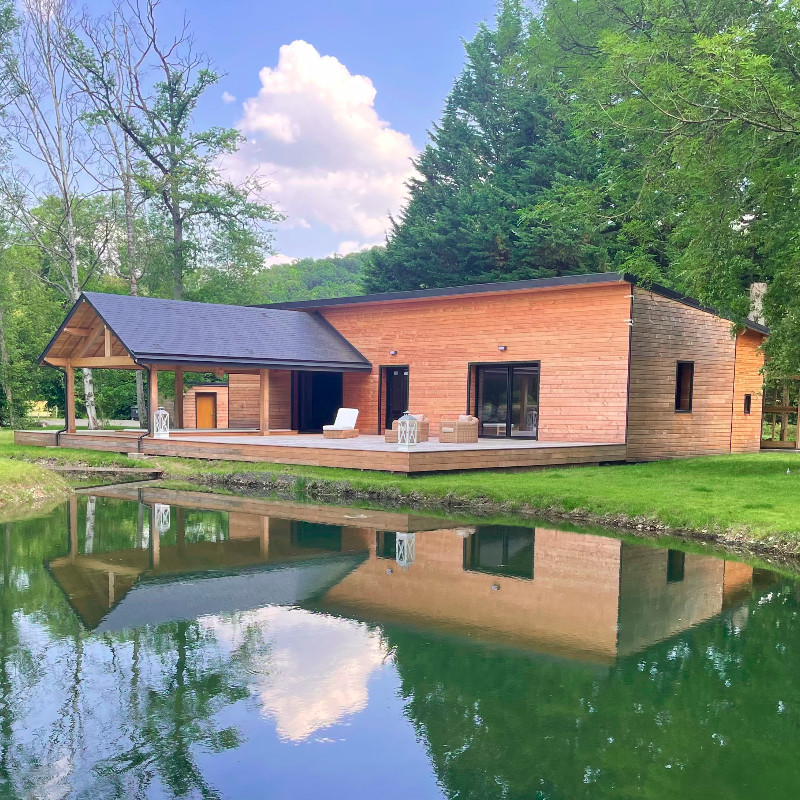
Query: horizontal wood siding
{"type": "Point", "coordinates": [746, 428]}
{"type": "Point", "coordinates": [245, 388]}
{"type": "Point", "coordinates": [280, 399]}
{"type": "Point", "coordinates": [579, 335]}
{"type": "Point", "coordinates": [243, 400]}
{"type": "Point", "coordinates": [666, 331]}
{"type": "Point", "coordinates": [190, 405]}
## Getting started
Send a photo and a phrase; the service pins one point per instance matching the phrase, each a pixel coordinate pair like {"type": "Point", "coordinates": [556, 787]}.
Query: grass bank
{"type": "Point", "coordinates": [27, 487]}
{"type": "Point", "coordinates": [730, 498]}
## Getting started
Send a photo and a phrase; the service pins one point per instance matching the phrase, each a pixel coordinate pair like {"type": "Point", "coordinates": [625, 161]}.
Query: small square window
{"type": "Point", "coordinates": [748, 403]}
{"type": "Point", "coordinates": [684, 386]}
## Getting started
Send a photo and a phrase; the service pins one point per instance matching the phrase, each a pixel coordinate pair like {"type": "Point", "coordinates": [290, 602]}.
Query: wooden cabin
{"type": "Point", "coordinates": [548, 366]}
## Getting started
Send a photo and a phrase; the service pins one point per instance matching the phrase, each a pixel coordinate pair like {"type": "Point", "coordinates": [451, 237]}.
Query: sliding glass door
{"type": "Point", "coordinates": [507, 399]}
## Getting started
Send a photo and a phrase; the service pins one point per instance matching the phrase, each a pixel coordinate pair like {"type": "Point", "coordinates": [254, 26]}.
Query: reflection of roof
{"type": "Point", "coordinates": [175, 331]}
{"type": "Point", "coordinates": [156, 601]}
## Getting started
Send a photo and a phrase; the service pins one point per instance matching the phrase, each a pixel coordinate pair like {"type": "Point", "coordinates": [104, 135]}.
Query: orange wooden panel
{"type": "Point", "coordinates": [580, 336]}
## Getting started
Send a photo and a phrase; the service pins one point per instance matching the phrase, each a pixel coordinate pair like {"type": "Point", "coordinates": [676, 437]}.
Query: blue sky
{"type": "Point", "coordinates": [334, 146]}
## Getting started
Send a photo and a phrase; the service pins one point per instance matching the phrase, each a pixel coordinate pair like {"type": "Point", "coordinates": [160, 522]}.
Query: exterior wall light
{"type": "Point", "coordinates": [393, 352]}
{"type": "Point", "coordinates": [502, 348]}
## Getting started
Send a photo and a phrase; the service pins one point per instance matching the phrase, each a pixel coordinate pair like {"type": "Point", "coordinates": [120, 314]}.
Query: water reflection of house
{"type": "Point", "coordinates": [553, 591]}
{"type": "Point", "coordinates": [544, 590]}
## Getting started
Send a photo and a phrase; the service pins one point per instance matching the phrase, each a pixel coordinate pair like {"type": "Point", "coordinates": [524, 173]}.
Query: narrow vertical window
{"type": "Point", "coordinates": [684, 384]}
{"type": "Point", "coordinates": [676, 565]}
{"type": "Point", "coordinates": [748, 402]}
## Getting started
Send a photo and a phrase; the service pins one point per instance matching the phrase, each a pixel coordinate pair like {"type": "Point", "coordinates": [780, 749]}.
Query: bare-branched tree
{"type": "Point", "coordinates": [45, 185]}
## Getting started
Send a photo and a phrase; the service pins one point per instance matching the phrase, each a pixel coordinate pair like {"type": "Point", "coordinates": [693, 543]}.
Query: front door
{"type": "Point", "coordinates": [507, 402]}
{"type": "Point", "coordinates": [396, 379]}
{"type": "Point", "coordinates": [206, 408]}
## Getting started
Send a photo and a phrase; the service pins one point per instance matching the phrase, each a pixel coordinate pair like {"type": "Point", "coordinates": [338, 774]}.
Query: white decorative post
{"type": "Point", "coordinates": [162, 517]}
{"type": "Point", "coordinates": [404, 549]}
{"type": "Point", "coordinates": [407, 432]}
{"type": "Point", "coordinates": [161, 424]}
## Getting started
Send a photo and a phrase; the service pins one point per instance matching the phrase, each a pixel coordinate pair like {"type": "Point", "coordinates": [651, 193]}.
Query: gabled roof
{"type": "Point", "coordinates": [592, 279]}
{"type": "Point", "coordinates": [156, 331]}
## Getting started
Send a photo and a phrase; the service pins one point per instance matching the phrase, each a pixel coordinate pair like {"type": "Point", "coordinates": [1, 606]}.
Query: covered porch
{"type": "Point", "coordinates": [284, 369]}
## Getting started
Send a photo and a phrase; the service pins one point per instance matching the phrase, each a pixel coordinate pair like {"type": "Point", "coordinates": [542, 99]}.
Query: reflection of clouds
{"type": "Point", "coordinates": [313, 669]}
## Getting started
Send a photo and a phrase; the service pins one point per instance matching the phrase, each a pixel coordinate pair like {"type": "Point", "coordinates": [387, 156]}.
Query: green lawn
{"type": "Point", "coordinates": [748, 494]}
{"type": "Point", "coordinates": [24, 487]}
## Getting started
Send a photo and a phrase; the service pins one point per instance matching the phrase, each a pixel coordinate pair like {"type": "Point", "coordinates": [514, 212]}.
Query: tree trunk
{"type": "Point", "coordinates": [88, 396]}
{"type": "Point", "coordinates": [8, 394]}
{"type": "Point", "coordinates": [130, 236]}
{"type": "Point", "coordinates": [177, 253]}
{"type": "Point", "coordinates": [75, 291]}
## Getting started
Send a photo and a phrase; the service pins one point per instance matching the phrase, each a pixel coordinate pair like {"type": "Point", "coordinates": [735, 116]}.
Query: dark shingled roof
{"type": "Point", "coordinates": [177, 331]}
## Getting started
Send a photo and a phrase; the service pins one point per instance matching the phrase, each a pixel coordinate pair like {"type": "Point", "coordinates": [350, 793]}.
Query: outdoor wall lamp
{"type": "Point", "coordinates": [502, 348]}
{"type": "Point", "coordinates": [393, 352]}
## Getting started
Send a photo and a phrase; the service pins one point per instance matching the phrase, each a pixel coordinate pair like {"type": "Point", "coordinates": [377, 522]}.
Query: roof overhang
{"type": "Point", "coordinates": [565, 282]}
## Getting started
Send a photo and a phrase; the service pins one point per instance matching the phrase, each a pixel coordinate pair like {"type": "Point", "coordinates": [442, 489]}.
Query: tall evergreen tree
{"type": "Point", "coordinates": [499, 147]}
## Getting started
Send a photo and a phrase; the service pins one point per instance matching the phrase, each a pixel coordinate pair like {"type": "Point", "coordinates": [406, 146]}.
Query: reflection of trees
{"type": "Point", "coordinates": [169, 682]}
{"type": "Point", "coordinates": [713, 710]}
{"type": "Point", "coordinates": [173, 718]}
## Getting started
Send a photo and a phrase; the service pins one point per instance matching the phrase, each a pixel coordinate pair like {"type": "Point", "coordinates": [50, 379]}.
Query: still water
{"type": "Point", "coordinates": [161, 644]}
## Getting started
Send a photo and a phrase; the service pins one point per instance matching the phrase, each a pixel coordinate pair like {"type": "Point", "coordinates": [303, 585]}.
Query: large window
{"type": "Point", "coordinates": [507, 399]}
{"type": "Point", "coordinates": [500, 550]}
{"type": "Point", "coordinates": [684, 386]}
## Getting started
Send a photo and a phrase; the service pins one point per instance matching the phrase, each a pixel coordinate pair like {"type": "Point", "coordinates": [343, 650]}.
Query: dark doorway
{"type": "Point", "coordinates": [396, 381]}
{"type": "Point", "coordinates": [316, 397]}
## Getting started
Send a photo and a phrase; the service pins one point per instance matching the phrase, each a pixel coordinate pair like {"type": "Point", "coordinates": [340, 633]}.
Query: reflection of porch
{"type": "Point", "coordinates": [362, 452]}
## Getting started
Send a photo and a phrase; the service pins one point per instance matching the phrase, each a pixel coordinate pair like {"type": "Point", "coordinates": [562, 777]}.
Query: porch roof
{"type": "Point", "coordinates": [150, 331]}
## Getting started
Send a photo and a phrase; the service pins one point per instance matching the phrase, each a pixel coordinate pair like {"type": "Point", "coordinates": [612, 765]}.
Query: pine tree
{"type": "Point", "coordinates": [496, 152]}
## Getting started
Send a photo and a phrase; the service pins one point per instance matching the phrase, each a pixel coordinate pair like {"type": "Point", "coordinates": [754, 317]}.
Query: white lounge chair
{"type": "Point", "coordinates": [344, 426]}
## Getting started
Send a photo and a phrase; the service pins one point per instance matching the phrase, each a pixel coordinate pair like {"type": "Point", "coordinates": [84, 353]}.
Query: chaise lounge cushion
{"type": "Point", "coordinates": [344, 426]}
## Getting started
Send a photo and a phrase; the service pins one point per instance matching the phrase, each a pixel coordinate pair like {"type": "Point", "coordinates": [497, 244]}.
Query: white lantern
{"type": "Point", "coordinates": [407, 432]}
{"type": "Point", "coordinates": [162, 517]}
{"type": "Point", "coordinates": [404, 549]}
{"type": "Point", "coordinates": [161, 424]}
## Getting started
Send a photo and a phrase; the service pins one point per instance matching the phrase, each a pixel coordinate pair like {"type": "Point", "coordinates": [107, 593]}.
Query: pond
{"type": "Point", "coordinates": [165, 644]}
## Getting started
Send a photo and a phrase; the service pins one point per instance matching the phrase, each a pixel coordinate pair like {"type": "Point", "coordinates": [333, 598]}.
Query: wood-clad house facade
{"type": "Point", "coordinates": [568, 361]}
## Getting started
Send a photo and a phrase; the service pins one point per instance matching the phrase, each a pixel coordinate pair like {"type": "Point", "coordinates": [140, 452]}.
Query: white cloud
{"type": "Point", "coordinates": [278, 258]}
{"type": "Point", "coordinates": [350, 246]}
{"type": "Point", "coordinates": [314, 135]}
{"type": "Point", "coordinates": [228, 98]}
{"type": "Point", "coordinates": [312, 670]}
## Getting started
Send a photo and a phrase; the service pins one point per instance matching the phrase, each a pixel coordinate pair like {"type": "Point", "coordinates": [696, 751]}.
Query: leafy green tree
{"type": "Point", "coordinates": [705, 97]}
{"type": "Point", "coordinates": [178, 165]}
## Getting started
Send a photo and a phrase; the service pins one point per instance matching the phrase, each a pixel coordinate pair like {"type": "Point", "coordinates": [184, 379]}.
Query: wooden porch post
{"type": "Point", "coordinates": [179, 397]}
{"type": "Point", "coordinates": [263, 402]}
{"type": "Point", "coordinates": [152, 405]}
{"type": "Point", "coordinates": [69, 402]}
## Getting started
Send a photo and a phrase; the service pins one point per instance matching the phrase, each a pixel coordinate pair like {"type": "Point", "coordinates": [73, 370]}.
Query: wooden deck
{"type": "Point", "coordinates": [363, 452]}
